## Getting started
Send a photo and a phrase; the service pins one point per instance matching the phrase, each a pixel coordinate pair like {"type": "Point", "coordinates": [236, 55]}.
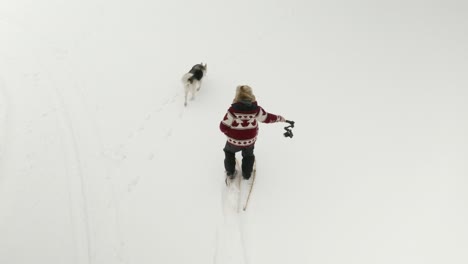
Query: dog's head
{"type": "Point", "coordinates": [204, 66]}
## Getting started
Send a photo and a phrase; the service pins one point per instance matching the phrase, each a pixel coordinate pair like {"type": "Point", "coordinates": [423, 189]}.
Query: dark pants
{"type": "Point", "coordinates": [248, 159]}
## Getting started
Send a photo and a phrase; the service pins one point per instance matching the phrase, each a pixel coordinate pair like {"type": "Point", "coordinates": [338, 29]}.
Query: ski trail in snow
{"type": "Point", "coordinates": [3, 122]}
{"type": "Point", "coordinates": [81, 130]}
{"type": "Point", "coordinates": [73, 165]}
{"type": "Point", "coordinates": [230, 248]}
{"type": "Point", "coordinates": [76, 171]}
{"type": "Point", "coordinates": [80, 146]}
{"type": "Point", "coordinates": [33, 72]}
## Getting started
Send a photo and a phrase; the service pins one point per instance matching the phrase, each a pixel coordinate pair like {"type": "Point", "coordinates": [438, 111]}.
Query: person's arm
{"type": "Point", "coordinates": [265, 117]}
{"type": "Point", "coordinates": [225, 124]}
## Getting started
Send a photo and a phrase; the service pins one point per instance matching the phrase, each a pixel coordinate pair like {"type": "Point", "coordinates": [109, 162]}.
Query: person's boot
{"type": "Point", "coordinates": [231, 176]}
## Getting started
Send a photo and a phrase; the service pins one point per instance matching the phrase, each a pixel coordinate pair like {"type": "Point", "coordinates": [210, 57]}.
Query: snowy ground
{"type": "Point", "coordinates": [101, 163]}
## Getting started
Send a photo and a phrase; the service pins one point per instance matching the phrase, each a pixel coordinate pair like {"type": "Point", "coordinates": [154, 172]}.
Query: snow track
{"type": "Point", "coordinates": [51, 130]}
{"type": "Point", "coordinates": [230, 246]}
{"type": "Point", "coordinates": [3, 121]}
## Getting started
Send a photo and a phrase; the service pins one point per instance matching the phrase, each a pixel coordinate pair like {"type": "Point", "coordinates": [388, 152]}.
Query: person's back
{"type": "Point", "coordinates": [240, 125]}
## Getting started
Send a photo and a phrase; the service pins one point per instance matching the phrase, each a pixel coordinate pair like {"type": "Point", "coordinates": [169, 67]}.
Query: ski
{"type": "Point", "coordinates": [229, 181]}
{"type": "Point", "coordinates": [252, 180]}
{"type": "Point", "coordinates": [240, 188]}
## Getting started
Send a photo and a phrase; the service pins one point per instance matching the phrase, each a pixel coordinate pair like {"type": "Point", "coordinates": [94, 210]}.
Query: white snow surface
{"type": "Point", "coordinates": [101, 163]}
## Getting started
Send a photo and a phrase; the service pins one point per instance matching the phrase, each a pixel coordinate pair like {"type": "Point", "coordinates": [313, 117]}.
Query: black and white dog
{"type": "Point", "coordinates": [192, 80]}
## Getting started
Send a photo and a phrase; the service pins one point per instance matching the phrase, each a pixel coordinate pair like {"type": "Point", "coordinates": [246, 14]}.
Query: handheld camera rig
{"type": "Point", "coordinates": [288, 129]}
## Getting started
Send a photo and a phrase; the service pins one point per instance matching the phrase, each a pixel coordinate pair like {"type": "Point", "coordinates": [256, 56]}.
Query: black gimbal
{"type": "Point", "coordinates": [288, 129]}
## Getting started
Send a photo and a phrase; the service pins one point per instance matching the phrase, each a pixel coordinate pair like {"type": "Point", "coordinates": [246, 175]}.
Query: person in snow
{"type": "Point", "coordinates": [240, 125]}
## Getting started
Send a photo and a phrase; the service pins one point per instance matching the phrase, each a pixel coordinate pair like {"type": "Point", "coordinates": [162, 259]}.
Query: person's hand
{"type": "Point", "coordinates": [281, 119]}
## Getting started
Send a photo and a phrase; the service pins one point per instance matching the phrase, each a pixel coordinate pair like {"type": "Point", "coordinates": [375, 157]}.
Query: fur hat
{"type": "Point", "coordinates": [244, 93]}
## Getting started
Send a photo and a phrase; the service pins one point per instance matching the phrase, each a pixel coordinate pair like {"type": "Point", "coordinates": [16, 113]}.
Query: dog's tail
{"type": "Point", "coordinates": [187, 78]}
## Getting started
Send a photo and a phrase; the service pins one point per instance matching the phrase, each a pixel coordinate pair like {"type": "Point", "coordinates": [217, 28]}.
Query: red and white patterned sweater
{"type": "Point", "coordinates": [240, 123]}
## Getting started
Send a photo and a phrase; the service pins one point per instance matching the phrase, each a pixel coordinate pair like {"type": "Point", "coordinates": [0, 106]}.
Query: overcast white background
{"type": "Point", "coordinates": [101, 163]}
